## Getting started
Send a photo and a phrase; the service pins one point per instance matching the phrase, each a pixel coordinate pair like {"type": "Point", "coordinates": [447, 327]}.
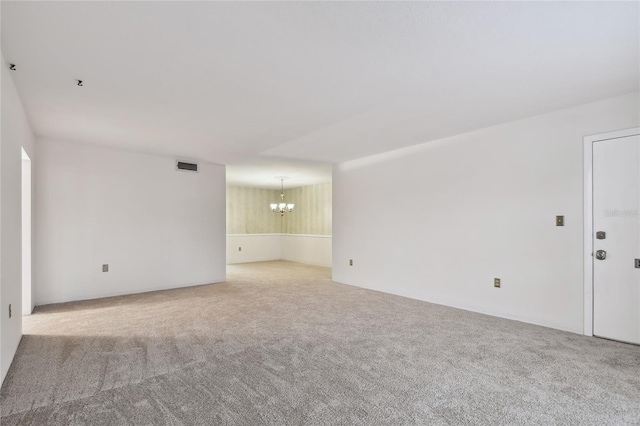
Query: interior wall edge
{"type": "Point", "coordinates": [16, 134]}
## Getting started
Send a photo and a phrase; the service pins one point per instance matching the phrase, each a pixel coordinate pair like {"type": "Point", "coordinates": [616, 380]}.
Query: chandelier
{"type": "Point", "coordinates": [282, 207]}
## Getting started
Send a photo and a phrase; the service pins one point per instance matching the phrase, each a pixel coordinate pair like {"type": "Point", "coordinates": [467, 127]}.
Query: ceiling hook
{"type": "Point", "coordinates": [79, 83]}
{"type": "Point", "coordinates": [12, 67]}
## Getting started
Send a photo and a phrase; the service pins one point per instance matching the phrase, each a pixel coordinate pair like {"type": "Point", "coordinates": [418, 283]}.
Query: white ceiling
{"type": "Point", "coordinates": [230, 82]}
{"type": "Point", "coordinates": [264, 172]}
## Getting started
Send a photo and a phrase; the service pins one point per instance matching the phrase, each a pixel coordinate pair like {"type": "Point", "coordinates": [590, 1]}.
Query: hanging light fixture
{"type": "Point", "coordinates": [282, 207]}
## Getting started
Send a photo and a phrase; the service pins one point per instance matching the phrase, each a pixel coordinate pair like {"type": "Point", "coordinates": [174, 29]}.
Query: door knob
{"type": "Point", "coordinates": [601, 255]}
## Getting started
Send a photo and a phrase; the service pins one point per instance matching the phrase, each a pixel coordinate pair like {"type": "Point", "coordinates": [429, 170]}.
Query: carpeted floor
{"type": "Point", "coordinates": [279, 343]}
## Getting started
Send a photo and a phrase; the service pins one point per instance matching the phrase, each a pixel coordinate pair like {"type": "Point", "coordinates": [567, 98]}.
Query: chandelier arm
{"type": "Point", "coordinates": [282, 207]}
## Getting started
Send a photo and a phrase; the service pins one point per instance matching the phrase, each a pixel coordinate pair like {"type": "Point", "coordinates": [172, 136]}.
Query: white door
{"type": "Point", "coordinates": [616, 239]}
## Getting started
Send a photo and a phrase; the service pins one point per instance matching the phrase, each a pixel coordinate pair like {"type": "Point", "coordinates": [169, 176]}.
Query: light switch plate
{"type": "Point", "coordinates": [496, 282]}
{"type": "Point", "coordinates": [105, 267]}
{"type": "Point", "coordinates": [559, 220]}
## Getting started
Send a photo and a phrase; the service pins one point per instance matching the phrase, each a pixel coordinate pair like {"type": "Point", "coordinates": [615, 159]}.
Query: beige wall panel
{"type": "Point", "coordinates": [312, 214]}
{"type": "Point", "coordinates": [248, 210]}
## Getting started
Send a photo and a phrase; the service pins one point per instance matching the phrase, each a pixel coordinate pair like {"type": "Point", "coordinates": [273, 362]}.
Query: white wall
{"type": "Point", "coordinates": [439, 221]}
{"type": "Point", "coordinates": [255, 247]}
{"type": "Point", "coordinates": [16, 133]}
{"type": "Point", "coordinates": [156, 227]}
{"type": "Point", "coordinates": [311, 249]}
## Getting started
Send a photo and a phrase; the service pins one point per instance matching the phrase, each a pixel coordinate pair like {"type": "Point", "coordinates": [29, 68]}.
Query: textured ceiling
{"type": "Point", "coordinates": [325, 81]}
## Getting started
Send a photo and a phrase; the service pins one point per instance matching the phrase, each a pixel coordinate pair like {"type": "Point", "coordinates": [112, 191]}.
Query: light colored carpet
{"type": "Point", "coordinates": [279, 343]}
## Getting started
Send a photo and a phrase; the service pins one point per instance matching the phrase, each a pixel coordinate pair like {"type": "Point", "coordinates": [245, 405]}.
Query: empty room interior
{"type": "Point", "coordinates": [320, 213]}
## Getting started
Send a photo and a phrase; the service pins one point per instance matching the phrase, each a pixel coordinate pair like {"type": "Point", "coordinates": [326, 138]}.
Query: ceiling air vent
{"type": "Point", "coordinates": [187, 167]}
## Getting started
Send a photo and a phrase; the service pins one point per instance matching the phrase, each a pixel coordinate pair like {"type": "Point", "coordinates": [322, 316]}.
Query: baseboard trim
{"type": "Point", "coordinates": [455, 305]}
{"type": "Point", "coordinates": [117, 294]}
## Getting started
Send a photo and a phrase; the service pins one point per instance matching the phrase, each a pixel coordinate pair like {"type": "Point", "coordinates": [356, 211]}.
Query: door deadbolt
{"type": "Point", "coordinates": [601, 235]}
{"type": "Point", "coordinates": [601, 255]}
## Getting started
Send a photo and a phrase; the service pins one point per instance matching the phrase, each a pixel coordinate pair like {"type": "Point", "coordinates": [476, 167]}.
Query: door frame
{"type": "Point", "coordinates": [588, 218]}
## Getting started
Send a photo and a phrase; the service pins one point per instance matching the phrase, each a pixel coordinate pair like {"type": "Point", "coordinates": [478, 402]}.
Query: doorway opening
{"type": "Point", "coordinates": [27, 299]}
{"type": "Point", "coordinates": [257, 231]}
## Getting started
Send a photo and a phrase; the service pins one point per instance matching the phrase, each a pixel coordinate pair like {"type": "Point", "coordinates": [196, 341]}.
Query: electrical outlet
{"type": "Point", "coordinates": [240, 248]}
{"type": "Point", "coordinates": [105, 267]}
{"type": "Point", "coordinates": [559, 220]}
{"type": "Point", "coordinates": [496, 282]}
{"type": "Point", "coordinates": [10, 310]}
{"type": "Point", "coordinates": [350, 262]}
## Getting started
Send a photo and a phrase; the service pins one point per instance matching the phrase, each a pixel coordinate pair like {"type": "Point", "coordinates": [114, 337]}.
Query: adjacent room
{"type": "Point", "coordinates": [279, 210]}
{"type": "Point", "coordinates": [319, 213]}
